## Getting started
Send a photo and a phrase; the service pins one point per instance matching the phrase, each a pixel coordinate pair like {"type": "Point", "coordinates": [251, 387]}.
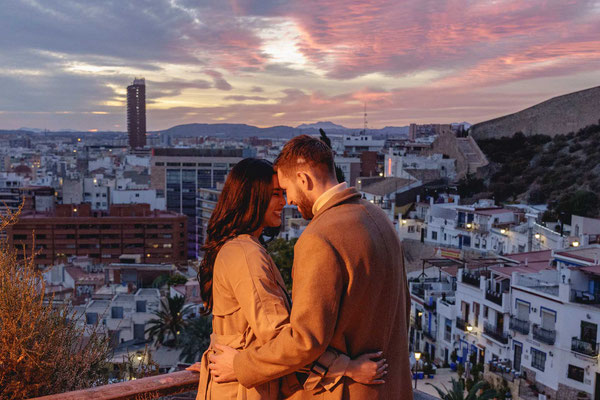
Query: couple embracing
{"type": "Point", "coordinates": [345, 337]}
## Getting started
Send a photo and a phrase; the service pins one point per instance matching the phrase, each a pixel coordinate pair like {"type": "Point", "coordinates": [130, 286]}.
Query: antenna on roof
{"type": "Point", "coordinates": [365, 120]}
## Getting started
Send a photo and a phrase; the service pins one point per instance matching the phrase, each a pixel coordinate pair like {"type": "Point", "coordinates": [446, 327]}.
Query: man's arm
{"type": "Point", "coordinates": [317, 290]}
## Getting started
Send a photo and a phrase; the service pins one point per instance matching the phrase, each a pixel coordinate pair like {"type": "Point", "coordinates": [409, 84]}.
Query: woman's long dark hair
{"type": "Point", "coordinates": [241, 209]}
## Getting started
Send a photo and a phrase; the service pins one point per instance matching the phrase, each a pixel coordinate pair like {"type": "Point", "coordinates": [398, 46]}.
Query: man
{"type": "Point", "coordinates": [349, 286]}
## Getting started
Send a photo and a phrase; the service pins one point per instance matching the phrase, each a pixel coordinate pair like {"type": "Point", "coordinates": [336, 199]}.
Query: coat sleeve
{"type": "Point", "coordinates": [406, 289]}
{"type": "Point", "coordinates": [261, 301]}
{"type": "Point", "coordinates": [317, 290]}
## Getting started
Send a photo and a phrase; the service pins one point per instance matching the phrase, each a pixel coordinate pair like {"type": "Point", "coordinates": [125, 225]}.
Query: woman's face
{"type": "Point", "coordinates": [273, 214]}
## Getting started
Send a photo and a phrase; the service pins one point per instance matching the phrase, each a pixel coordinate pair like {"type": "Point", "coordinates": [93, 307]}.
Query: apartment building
{"type": "Point", "coordinates": [74, 230]}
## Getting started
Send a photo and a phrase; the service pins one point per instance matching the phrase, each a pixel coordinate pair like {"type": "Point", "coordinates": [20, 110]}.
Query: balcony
{"type": "Point", "coordinates": [583, 297]}
{"type": "Point", "coordinates": [494, 297]}
{"type": "Point", "coordinates": [418, 290]}
{"type": "Point", "coordinates": [152, 387]}
{"type": "Point", "coordinates": [430, 305]}
{"type": "Point", "coordinates": [470, 279]}
{"type": "Point", "coordinates": [543, 335]}
{"type": "Point", "coordinates": [519, 325]}
{"type": "Point", "coordinates": [589, 349]}
{"type": "Point", "coordinates": [495, 333]}
{"type": "Point", "coordinates": [461, 324]}
{"type": "Point", "coordinates": [431, 335]}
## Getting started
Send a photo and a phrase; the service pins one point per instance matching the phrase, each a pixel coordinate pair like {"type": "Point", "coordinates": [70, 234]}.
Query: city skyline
{"type": "Point", "coordinates": [67, 65]}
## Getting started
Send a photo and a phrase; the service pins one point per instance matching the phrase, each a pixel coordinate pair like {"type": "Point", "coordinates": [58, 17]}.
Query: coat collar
{"type": "Point", "coordinates": [338, 198]}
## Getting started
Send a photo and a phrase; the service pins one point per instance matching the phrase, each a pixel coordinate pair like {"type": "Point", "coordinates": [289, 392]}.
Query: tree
{"type": "Point", "coordinates": [583, 203]}
{"type": "Point", "coordinates": [44, 349]}
{"type": "Point", "coordinates": [170, 280]}
{"type": "Point", "coordinates": [457, 391]}
{"type": "Point", "coordinates": [339, 174]}
{"type": "Point", "coordinates": [282, 252]}
{"type": "Point", "coordinates": [170, 321]}
{"type": "Point", "coordinates": [195, 339]}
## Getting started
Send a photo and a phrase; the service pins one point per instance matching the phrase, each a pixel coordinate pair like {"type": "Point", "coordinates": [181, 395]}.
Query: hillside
{"type": "Point", "coordinates": [562, 171]}
{"type": "Point", "coordinates": [557, 116]}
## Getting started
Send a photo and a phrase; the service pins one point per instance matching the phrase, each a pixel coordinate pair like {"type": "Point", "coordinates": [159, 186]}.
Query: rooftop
{"type": "Point", "coordinates": [383, 186]}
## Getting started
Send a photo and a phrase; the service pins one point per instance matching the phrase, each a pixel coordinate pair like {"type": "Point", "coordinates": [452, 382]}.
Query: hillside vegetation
{"type": "Point", "coordinates": [562, 171]}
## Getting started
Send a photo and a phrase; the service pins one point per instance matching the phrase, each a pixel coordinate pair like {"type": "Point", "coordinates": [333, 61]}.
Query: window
{"type": "Point", "coordinates": [116, 312]}
{"type": "Point", "coordinates": [411, 229]}
{"type": "Point", "coordinates": [538, 359]}
{"type": "Point", "coordinates": [159, 164]}
{"type": "Point", "coordinates": [140, 306]}
{"type": "Point", "coordinates": [433, 235]}
{"type": "Point", "coordinates": [92, 318]}
{"type": "Point", "coordinates": [575, 373]}
{"type": "Point", "coordinates": [448, 330]}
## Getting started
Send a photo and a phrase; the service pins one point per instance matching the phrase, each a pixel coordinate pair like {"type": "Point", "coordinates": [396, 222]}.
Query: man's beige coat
{"type": "Point", "coordinates": [349, 292]}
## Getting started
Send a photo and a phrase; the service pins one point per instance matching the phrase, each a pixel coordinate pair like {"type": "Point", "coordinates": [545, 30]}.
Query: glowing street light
{"type": "Point", "coordinates": [469, 328]}
{"type": "Point", "coordinates": [469, 225]}
{"type": "Point", "coordinates": [575, 243]}
{"type": "Point", "coordinates": [417, 357]}
{"type": "Point", "coordinates": [538, 236]}
{"type": "Point", "coordinates": [503, 231]}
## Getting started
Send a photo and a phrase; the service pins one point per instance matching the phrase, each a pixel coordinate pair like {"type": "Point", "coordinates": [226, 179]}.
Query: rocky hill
{"type": "Point", "coordinates": [561, 171]}
{"type": "Point", "coordinates": [557, 116]}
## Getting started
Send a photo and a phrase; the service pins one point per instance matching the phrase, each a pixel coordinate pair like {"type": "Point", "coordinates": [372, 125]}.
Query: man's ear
{"type": "Point", "coordinates": [305, 181]}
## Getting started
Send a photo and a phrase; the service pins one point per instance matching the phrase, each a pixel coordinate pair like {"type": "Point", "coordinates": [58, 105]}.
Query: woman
{"type": "Point", "coordinates": [245, 292]}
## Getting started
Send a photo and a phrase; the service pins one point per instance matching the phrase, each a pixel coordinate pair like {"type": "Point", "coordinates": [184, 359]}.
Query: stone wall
{"type": "Point", "coordinates": [559, 115]}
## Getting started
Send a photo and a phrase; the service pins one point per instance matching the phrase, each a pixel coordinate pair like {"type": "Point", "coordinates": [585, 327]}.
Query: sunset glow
{"type": "Point", "coordinates": [271, 62]}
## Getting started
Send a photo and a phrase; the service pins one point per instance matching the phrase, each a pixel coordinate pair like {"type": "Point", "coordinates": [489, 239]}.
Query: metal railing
{"type": "Point", "coordinates": [461, 324]}
{"type": "Point", "coordinates": [519, 325]}
{"type": "Point", "coordinates": [584, 347]}
{"type": "Point", "coordinates": [493, 296]}
{"type": "Point", "coordinates": [418, 290]}
{"type": "Point", "coordinates": [583, 297]}
{"type": "Point", "coordinates": [431, 335]}
{"type": "Point", "coordinates": [543, 335]}
{"type": "Point", "coordinates": [495, 333]}
{"type": "Point", "coordinates": [430, 305]}
{"type": "Point", "coordinates": [470, 279]}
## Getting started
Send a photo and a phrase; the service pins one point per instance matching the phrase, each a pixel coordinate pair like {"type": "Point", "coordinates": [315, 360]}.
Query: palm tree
{"type": "Point", "coordinates": [170, 321]}
{"type": "Point", "coordinates": [195, 339]}
{"type": "Point", "coordinates": [458, 391]}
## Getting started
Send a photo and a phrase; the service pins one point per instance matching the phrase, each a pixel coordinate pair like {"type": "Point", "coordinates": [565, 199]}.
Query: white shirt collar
{"type": "Point", "coordinates": [327, 195]}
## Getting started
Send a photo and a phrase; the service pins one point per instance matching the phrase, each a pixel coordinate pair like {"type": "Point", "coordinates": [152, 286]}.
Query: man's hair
{"type": "Point", "coordinates": [303, 151]}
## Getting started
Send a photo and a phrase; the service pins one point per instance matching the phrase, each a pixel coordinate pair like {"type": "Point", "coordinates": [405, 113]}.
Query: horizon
{"type": "Point", "coordinates": [272, 63]}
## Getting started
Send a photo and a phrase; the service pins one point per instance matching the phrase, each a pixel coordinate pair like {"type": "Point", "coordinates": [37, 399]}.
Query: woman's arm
{"type": "Point", "coordinates": [328, 370]}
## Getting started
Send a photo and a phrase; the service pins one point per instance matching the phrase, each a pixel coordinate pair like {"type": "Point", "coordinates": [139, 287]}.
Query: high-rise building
{"type": "Point", "coordinates": [178, 174]}
{"type": "Point", "coordinates": [136, 113]}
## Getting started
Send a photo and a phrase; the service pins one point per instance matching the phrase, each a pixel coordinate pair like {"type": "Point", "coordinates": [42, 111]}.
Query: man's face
{"type": "Point", "coordinates": [295, 195]}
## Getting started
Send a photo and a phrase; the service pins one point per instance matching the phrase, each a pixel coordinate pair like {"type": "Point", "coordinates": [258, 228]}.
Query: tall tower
{"type": "Point", "coordinates": [136, 113]}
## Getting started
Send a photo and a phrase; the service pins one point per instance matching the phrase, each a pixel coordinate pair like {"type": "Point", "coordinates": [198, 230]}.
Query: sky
{"type": "Point", "coordinates": [66, 64]}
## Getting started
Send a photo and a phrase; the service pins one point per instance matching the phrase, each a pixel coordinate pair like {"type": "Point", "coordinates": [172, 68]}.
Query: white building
{"type": "Point", "coordinates": [139, 196]}
{"type": "Point", "coordinates": [125, 316]}
{"type": "Point", "coordinates": [400, 164]}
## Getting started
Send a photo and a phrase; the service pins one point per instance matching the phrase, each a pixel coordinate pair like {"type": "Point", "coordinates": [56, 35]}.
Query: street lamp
{"type": "Point", "coordinates": [503, 231]}
{"type": "Point", "coordinates": [469, 328]}
{"type": "Point", "coordinates": [469, 225]}
{"type": "Point", "coordinates": [538, 236]}
{"type": "Point", "coordinates": [575, 243]}
{"type": "Point", "coordinates": [417, 357]}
